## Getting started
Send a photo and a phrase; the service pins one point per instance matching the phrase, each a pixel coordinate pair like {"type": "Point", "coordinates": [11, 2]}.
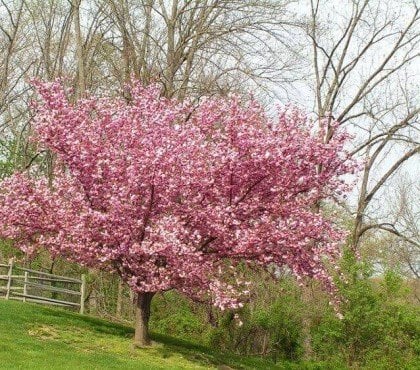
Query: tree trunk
{"type": "Point", "coordinates": [141, 335]}
{"type": "Point", "coordinates": [120, 294]}
{"type": "Point", "coordinates": [81, 82]}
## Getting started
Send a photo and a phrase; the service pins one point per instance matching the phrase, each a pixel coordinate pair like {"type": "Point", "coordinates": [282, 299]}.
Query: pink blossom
{"type": "Point", "coordinates": [164, 193]}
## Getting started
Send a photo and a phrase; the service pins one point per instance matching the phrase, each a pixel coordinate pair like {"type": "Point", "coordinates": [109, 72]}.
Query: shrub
{"type": "Point", "coordinates": [379, 329]}
{"type": "Point", "coordinates": [270, 325]}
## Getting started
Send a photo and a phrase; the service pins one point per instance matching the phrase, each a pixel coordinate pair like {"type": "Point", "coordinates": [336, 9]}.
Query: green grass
{"type": "Point", "coordinates": [38, 337]}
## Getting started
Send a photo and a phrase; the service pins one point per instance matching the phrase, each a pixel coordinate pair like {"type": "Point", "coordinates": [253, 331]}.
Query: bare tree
{"type": "Point", "coordinates": [10, 43]}
{"type": "Point", "coordinates": [363, 55]}
{"type": "Point", "coordinates": [202, 47]}
{"type": "Point", "coordinates": [403, 247]}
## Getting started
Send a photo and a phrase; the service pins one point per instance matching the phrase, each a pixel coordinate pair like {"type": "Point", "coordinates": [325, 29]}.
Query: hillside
{"type": "Point", "coordinates": [37, 337]}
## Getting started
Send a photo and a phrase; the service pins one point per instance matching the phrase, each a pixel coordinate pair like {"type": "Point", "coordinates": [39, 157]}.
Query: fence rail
{"type": "Point", "coordinates": [29, 285]}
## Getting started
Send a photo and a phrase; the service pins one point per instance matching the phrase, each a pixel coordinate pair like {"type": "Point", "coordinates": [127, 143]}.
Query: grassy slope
{"type": "Point", "coordinates": [37, 337]}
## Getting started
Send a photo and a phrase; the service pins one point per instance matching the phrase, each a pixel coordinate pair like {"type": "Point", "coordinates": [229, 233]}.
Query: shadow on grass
{"type": "Point", "coordinates": [206, 356]}
{"type": "Point", "coordinates": [89, 322]}
{"type": "Point", "coordinates": [167, 346]}
{"type": "Point", "coordinates": [199, 354]}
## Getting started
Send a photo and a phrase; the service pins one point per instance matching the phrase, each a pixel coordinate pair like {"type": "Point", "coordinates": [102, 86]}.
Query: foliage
{"type": "Point", "coordinates": [269, 325]}
{"type": "Point", "coordinates": [174, 314]}
{"type": "Point", "coordinates": [379, 328]}
{"type": "Point", "coordinates": [7, 250]}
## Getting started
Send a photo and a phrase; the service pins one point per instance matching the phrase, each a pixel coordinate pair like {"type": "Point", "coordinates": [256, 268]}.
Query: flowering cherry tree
{"type": "Point", "coordinates": [167, 194]}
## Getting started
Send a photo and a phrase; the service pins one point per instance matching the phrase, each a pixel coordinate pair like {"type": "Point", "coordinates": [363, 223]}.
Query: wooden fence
{"type": "Point", "coordinates": [35, 286]}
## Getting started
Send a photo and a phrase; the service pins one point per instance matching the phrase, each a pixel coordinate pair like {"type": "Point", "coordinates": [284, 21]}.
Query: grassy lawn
{"type": "Point", "coordinates": [38, 337]}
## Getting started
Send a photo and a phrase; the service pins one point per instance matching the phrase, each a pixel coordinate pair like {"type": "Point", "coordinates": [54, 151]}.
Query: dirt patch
{"type": "Point", "coordinates": [44, 332]}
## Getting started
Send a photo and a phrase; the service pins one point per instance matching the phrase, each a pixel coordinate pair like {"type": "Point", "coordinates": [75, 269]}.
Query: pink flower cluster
{"type": "Point", "coordinates": [164, 193]}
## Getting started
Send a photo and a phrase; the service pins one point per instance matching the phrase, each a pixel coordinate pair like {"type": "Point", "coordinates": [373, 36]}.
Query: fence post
{"type": "Point", "coordinates": [82, 294]}
{"type": "Point", "coordinates": [9, 278]}
{"type": "Point", "coordinates": [25, 287]}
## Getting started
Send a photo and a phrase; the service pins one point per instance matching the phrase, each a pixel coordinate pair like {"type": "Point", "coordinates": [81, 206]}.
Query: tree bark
{"type": "Point", "coordinates": [81, 82]}
{"type": "Point", "coordinates": [141, 335]}
{"type": "Point", "coordinates": [120, 293]}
